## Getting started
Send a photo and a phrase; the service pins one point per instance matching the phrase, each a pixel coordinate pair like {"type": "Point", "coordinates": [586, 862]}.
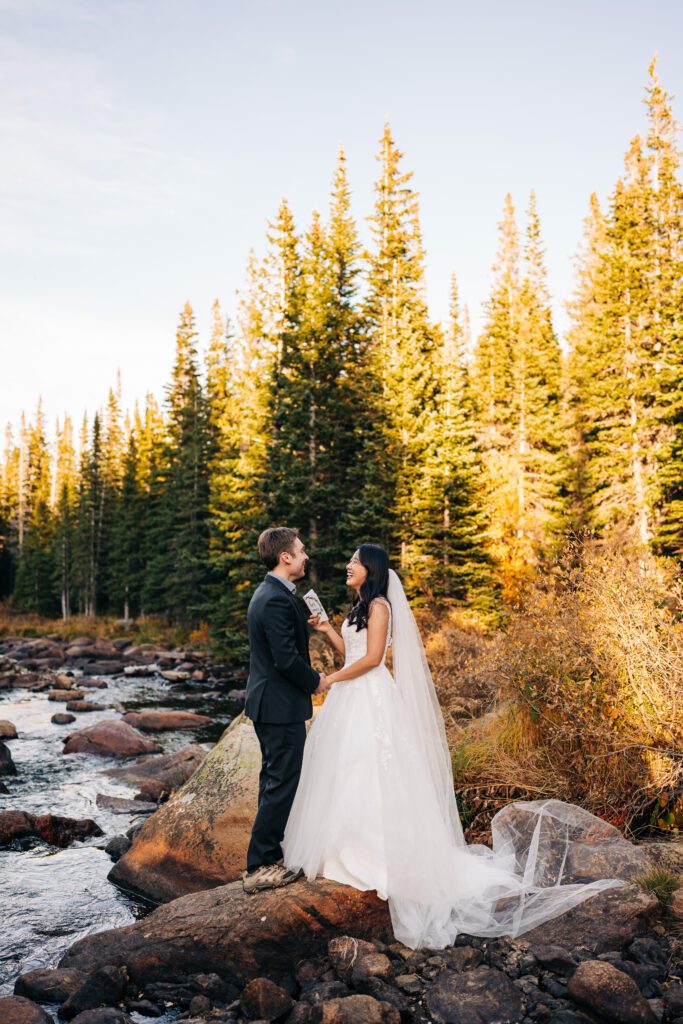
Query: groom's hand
{"type": "Point", "coordinates": [322, 684]}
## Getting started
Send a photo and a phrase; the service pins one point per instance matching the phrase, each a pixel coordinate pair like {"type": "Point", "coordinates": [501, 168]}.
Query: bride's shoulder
{"type": "Point", "coordinates": [379, 600]}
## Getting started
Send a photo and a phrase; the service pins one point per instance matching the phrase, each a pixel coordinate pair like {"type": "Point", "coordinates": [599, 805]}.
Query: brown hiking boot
{"type": "Point", "coordinates": [269, 876]}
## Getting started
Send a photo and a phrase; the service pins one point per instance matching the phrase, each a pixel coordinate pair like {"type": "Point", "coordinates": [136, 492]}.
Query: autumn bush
{"type": "Point", "coordinates": [584, 694]}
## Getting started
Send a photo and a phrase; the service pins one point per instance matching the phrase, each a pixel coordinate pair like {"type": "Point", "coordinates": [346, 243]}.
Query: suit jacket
{"type": "Point", "coordinates": [281, 679]}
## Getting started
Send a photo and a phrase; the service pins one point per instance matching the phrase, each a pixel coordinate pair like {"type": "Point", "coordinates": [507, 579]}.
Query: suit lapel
{"type": "Point", "coordinates": [292, 596]}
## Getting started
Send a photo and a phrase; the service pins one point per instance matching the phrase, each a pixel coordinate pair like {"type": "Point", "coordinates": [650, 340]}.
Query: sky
{"type": "Point", "coordinates": [147, 143]}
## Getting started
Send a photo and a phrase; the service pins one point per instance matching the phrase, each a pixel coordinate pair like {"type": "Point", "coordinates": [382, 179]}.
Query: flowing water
{"type": "Point", "coordinates": [49, 898]}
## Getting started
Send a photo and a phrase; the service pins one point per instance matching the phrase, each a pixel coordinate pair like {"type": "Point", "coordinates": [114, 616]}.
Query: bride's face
{"type": "Point", "coordinates": [356, 573]}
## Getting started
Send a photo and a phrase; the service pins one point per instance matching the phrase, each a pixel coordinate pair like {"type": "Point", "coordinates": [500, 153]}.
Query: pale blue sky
{"type": "Point", "coordinates": [146, 144]}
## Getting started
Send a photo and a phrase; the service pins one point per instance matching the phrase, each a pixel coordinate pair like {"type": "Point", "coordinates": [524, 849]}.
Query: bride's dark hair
{"type": "Point", "coordinates": [376, 561]}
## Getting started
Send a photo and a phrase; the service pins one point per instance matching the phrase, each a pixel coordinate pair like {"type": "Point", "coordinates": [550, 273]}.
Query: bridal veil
{"type": "Point", "coordinates": [437, 884]}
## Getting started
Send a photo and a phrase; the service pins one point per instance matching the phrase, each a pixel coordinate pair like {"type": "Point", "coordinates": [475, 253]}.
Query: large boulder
{"type": "Point", "coordinates": [574, 845]}
{"type": "Point", "coordinates": [235, 935]}
{"type": "Point", "coordinates": [160, 721]}
{"type": "Point", "coordinates": [199, 838]}
{"type": "Point", "coordinates": [158, 777]}
{"type": "Point", "coordinates": [109, 738]}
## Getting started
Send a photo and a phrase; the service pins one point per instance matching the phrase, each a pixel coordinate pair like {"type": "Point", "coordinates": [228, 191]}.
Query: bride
{"type": "Point", "coordinates": [375, 806]}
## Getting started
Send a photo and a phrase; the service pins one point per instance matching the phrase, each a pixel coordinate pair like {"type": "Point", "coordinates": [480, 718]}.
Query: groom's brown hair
{"type": "Point", "coordinates": [273, 542]}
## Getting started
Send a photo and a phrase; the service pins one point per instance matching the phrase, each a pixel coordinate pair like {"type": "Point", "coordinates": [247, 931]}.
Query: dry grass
{"type": "Point", "coordinates": [661, 882]}
{"type": "Point", "coordinates": [150, 629]}
{"type": "Point", "coordinates": [584, 690]}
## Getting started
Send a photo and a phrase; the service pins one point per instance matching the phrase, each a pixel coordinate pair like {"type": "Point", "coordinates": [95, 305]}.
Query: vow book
{"type": "Point", "coordinates": [315, 605]}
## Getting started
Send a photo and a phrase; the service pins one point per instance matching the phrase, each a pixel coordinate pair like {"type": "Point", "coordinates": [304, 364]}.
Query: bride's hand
{"type": "Point", "coordinates": [322, 627]}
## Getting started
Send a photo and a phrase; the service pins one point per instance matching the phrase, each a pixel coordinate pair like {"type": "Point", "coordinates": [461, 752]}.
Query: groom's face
{"type": "Point", "coordinates": [296, 560]}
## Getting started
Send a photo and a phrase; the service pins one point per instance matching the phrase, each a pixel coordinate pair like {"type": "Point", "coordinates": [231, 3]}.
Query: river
{"type": "Point", "coordinates": [49, 898]}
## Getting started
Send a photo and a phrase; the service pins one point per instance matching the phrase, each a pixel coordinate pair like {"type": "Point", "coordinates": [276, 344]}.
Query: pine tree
{"type": "Point", "coordinates": [179, 565]}
{"type": "Point", "coordinates": [517, 378]}
{"type": "Point", "coordinates": [64, 503]}
{"type": "Point", "coordinates": [9, 481]}
{"type": "Point", "coordinates": [127, 564]}
{"type": "Point", "coordinates": [89, 543]}
{"type": "Point", "coordinates": [238, 474]}
{"type": "Point", "coordinates": [615, 379]}
{"type": "Point", "coordinates": [405, 360]}
{"type": "Point", "coordinates": [584, 339]}
{"type": "Point", "coordinates": [35, 571]}
{"type": "Point", "coordinates": [456, 564]}
{"type": "Point", "coordinates": [666, 296]}
{"type": "Point", "coordinates": [627, 362]}
{"type": "Point", "coordinates": [541, 449]}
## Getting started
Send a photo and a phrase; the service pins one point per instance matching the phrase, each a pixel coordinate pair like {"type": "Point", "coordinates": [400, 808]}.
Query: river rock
{"type": "Point", "coordinates": [85, 705]}
{"type": "Point", "coordinates": [7, 765]}
{"type": "Point", "coordinates": [262, 999]}
{"type": "Point", "coordinates": [62, 718]}
{"type": "Point", "coordinates": [102, 987]}
{"type": "Point", "coordinates": [484, 994]}
{"type": "Point", "coordinates": [105, 1015]}
{"type": "Point", "coordinates": [606, 921]}
{"type": "Point", "coordinates": [8, 730]}
{"type": "Point", "coordinates": [3, 787]}
{"type": "Point", "coordinates": [199, 838]}
{"type": "Point", "coordinates": [600, 987]}
{"type": "Point", "coordinates": [175, 675]}
{"type": "Point", "coordinates": [64, 682]}
{"type": "Point", "coordinates": [141, 670]}
{"type": "Point", "coordinates": [358, 1009]}
{"type": "Point", "coordinates": [109, 738]}
{"type": "Point", "coordinates": [93, 684]}
{"type": "Point", "coordinates": [52, 828]}
{"type": "Point", "coordinates": [236, 935]}
{"type": "Point", "coordinates": [65, 695]}
{"type": "Point", "coordinates": [19, 1010]}
{"type": "Point", "coordinates": [104, 668]}
{"type": "Point", "coordinates": [159, 776]}
{"type": "Point", "coordinates": [48, 986]}
{"type": "Point", "coordinates": [117, 846]}
{"type": "Point", "coordinates": [675, 905]}
{"type": "Point", "coordinates": [161, 721]}
{"type": "Point", "coordinates": [122, 805]}
{"type": "Point", "coordinates": [100, 650]}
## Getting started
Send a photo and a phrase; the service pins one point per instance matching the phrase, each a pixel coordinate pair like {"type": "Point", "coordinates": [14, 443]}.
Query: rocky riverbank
{"type": "Point", "coordinates": [74, 793]}
{"type": "Point", "coordinates": [321, 953]}
{"type": "Point", "coordinates": [313, 952]}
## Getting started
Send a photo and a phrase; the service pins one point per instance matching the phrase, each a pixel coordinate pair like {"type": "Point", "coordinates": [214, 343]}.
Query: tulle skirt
{"type": "Point", "coordinates": [366, 814]}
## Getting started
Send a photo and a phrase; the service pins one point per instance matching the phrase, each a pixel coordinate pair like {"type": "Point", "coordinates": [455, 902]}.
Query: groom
{"type": "Point", "coordinates": [278, 700]}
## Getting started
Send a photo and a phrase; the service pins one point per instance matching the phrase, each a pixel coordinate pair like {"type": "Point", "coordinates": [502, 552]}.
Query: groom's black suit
{"type": "Point", "coordinates": [278, 701]}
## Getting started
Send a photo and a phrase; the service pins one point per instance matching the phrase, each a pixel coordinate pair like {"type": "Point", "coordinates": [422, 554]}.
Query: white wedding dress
{"type": "Point", "coordinates": [375, 809]}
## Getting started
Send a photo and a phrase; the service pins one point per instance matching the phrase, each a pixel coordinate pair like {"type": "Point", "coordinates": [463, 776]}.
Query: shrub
{"type": "Point", "coordinates": [585, 691]}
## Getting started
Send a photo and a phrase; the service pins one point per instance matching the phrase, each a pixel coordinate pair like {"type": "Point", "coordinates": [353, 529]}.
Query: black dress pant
{"type": "Point", "coordinates": [282, 751]}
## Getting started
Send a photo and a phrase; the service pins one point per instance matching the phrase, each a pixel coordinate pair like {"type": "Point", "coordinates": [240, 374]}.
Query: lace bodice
{"type": "Point", "coordinates": [356, 641]}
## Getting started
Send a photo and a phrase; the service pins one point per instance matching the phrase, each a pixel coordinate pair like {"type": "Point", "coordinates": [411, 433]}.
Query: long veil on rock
{"type": "Point", "coordinates": [438, 885]}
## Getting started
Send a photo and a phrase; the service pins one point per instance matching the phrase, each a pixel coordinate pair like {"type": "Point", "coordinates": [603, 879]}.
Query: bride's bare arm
{"type": "Point", "coordinates": [327, 629]}
{"type": "Point", "coordinates": [378, 622]}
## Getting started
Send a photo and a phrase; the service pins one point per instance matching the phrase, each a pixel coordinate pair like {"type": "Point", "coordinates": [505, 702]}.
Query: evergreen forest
{"type": "Point", "coordinates": [330, 400]}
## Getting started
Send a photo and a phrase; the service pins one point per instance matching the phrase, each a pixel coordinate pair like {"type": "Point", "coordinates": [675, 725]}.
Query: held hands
{"type": "Point", "coordinates": [324, 684]}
